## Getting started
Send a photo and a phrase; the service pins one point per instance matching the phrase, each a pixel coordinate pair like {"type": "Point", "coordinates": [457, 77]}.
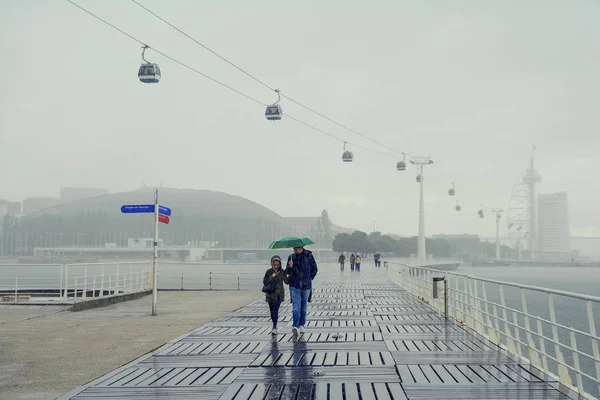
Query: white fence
{"type": "Point", "coordinates": [56, 283]}
{"type": "Point", "coordinates": [553, 330]}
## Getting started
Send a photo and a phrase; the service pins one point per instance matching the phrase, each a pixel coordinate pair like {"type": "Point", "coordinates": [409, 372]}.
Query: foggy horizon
{"type": "Point", "coordinates": [472, 85]}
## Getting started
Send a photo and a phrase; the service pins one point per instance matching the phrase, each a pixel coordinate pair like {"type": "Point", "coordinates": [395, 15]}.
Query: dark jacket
{"type": "Point", "coordinates": [342, 259]}
{"type": "Point", "coordinates": [303, 271]}
{"type": "Point", "coordinates": [279, 293]}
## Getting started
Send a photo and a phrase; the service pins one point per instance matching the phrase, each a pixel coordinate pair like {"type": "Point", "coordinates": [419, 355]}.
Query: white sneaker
{"type": "Point", "coordinates": [294, 330]}
{"type": "Point", "coordinates": [301, 329]}
{"type": "Point", "coordinates": [274, 331]}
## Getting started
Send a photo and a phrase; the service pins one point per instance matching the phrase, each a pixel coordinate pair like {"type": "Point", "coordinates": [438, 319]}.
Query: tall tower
{"type": "Point", "coordinates": [420, 162]}
{"type": "Point", "coordinates": [531, 178]}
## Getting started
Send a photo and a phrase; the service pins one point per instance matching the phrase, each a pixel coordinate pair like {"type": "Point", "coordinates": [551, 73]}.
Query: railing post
{"type": "Point", "coordinates": [533, 354]}
{"type": "Point", "coordinates": [75, 290]}
{"type": "Point", "coordinates": [16, 289]}
{"type": "Point", "coordinates": [517, 334]}
{"type": "Point", "coordinates": [491, 329]}
{"type": "Point", "coordinates": [182, 281]}
{"type": "Point", "coordinates": [457, 301]}
{"type": "Point", "coordinates": [510, 344]}
{"type": "Point", "coordinates": [576, 362]}
{"type": "Point", "coordinates": [210, 280]}
{"type": "Point", "coordinates": [542, 346]}
{"type": "Point", "coordinates": [595, 351]}
{"type": "Point", "coordinates": [60, 284]}
{"type": "Point", "coordinates": [84, 294]}
{"type": "Point", "coordinates": [66, 297]}
{"type": "Point", "coordinates": [94, 288]}
{"type": "Point", "coordinates": [130, 278]}
{"type": "Point", "coordinates": [563, 372]}
{"type": "Point", "coordinates": [478, 323]}
{"type": "Point", "coordinates": [469, 315]}
{"type": "Point", "coordinates": [238, 281]}
{"type": "Point", "coordinates": [109, 284]}
{"type": "Point", "coordinates": [102, 283]}
{"type": "Point", "coordinates": [116, 291]}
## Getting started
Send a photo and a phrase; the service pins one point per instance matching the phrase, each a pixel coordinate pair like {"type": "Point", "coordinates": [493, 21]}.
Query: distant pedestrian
{"type": "Point", "coordinates": [358, 260]}
{"type": "Point", "coordinates": [352, 261]}
{"type": "Point", "coordinates": [301, 270]}
{"type": "Point", "coordinates": [273, 288]}
{"type": "Point", "coordinates": [377, 259]}
{"type": "Point", "coordinates": [342, 260]}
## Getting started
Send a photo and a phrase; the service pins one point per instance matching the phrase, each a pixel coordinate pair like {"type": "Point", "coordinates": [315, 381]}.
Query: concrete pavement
{"type": "Point", "coordinates": [47, 351]}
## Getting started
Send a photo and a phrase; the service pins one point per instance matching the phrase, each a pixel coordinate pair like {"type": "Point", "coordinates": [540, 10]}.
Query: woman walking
{"type": "Point", "coordinates": [273, 287]}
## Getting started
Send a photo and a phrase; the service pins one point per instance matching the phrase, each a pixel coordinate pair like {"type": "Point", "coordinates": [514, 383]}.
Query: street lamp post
{"type": "Point", "coordinates": [420, 162]}
{"type": "Point", "coordinates": [498, 212]}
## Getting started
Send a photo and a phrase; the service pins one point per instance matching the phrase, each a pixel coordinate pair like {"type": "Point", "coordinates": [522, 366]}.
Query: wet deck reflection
{"type": "Point", "coordinates": [365, 339]}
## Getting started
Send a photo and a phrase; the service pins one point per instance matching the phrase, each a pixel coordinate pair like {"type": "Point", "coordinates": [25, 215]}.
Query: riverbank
{"type": "Point", "coordinates": [47, 351]}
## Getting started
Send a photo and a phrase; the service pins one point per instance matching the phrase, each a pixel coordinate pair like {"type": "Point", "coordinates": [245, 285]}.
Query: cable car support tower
{"type": "Point", "coordinates": [420, 162]}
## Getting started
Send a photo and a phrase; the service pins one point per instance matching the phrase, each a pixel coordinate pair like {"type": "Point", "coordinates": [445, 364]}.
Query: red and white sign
{"type": "Point", "coordinates": [163, 218]}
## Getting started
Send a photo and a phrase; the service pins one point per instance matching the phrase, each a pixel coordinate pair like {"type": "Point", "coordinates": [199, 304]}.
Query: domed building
{"type": "Point", "coordinates": [199, 217]}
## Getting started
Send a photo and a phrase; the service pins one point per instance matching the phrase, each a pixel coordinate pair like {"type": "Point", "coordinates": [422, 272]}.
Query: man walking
{"type": "Point", "coordinates": [302, 269]}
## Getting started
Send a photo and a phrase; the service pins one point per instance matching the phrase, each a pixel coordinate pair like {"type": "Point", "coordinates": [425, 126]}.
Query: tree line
{"type": "Point", "coordinates": [466, 248]}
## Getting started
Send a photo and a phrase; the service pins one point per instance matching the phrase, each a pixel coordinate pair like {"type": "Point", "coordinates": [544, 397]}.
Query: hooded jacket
{"type": "Point", "coordinates": [303, 271]}
{"type": "Point", "coordinates": [279, 293]}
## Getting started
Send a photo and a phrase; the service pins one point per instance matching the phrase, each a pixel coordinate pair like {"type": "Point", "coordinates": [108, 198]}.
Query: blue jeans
{"type": "Point", "coordinates": [299, 305]}
{"type": "Point", "coordinates": [358, 266]}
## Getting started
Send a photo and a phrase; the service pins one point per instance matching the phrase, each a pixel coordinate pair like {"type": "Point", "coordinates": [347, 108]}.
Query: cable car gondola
{"type": "Point", "coordinates": [274, 111]}
{"type": "Point", "coordinates": [458, 207]}
{"type": "Point", "coordinates": [451, 191]}
{"type": "Point", "coordinates": [480, 212]}
{"type": "Point", "coordinates": [148, 72]}
{"type": "Point", "coordinates": [401, 165]}
{"type": "Point", "coordinates": [347, 156]}
{"type": "Point", "coordinates": [418, 177]}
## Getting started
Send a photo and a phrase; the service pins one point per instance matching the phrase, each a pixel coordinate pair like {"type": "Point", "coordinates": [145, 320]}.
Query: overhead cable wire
{"type": "Point", "coordinates": [263, 83]}
{"type": "Point", "coordinates": [335, 137]}
{"type": "Point", "coordinates": [205, 47]}
{"type": "Point", "coordinates": [219, 82]}
{"type": "Point", "coordinates": [166, 55]}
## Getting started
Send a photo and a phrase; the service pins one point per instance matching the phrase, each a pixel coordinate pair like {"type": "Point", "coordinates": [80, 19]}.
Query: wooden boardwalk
{"type": "Point", "coordinates": [365, 339]}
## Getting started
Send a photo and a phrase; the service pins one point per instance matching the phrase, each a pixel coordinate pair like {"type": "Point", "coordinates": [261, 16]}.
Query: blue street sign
{"type": "Point", "coordinates": [164, 210]}
{"type": "Point", "coordinates": [138, 208]}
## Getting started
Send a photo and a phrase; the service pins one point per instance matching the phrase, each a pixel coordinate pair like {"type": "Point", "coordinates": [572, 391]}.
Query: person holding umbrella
{"type": "Point", "coordinates": [300, 272]}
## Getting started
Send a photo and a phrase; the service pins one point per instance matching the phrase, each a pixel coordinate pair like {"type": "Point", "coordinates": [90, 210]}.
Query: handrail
{"type": "Point", "coordinates": [471, 304]}
{"type": "Point", "coordinates": [579, 296]}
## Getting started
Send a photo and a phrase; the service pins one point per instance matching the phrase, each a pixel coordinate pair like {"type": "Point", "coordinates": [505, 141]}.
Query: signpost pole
{"type": "Point", "coordinates": [155, 258]}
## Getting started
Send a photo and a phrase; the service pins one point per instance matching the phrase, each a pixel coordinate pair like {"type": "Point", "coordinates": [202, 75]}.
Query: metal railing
{"type": "Point", "coordinates": [57, 283]}
{"type": "Point", "coordinates": [69, 283]}
{"type": "Point", "coordinates": [553, 330]}
{"type": "Point", "coordinates": [93, 280]}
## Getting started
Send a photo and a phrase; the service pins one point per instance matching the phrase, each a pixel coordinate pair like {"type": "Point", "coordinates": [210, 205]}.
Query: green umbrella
{"type": "Point", "coordinates": [290, 241]}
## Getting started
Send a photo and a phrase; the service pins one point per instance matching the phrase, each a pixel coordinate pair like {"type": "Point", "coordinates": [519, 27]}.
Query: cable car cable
{"type": "Point", "coordinates": [205, 47]}
{"type": "Point", "coordinates": [166, 55]}
{"type": "Point", "coordinates": [219, 82]}
{"type": "Point", "coordinates": [263, 83]}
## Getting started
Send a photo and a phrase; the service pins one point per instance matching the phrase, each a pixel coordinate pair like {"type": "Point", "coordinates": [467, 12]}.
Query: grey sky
{"type": "Point", "coordinates": [471, 83]}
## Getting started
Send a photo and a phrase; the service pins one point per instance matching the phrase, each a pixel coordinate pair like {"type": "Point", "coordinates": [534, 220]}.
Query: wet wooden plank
{"type": "Point", "coordinates": [365, 339]}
